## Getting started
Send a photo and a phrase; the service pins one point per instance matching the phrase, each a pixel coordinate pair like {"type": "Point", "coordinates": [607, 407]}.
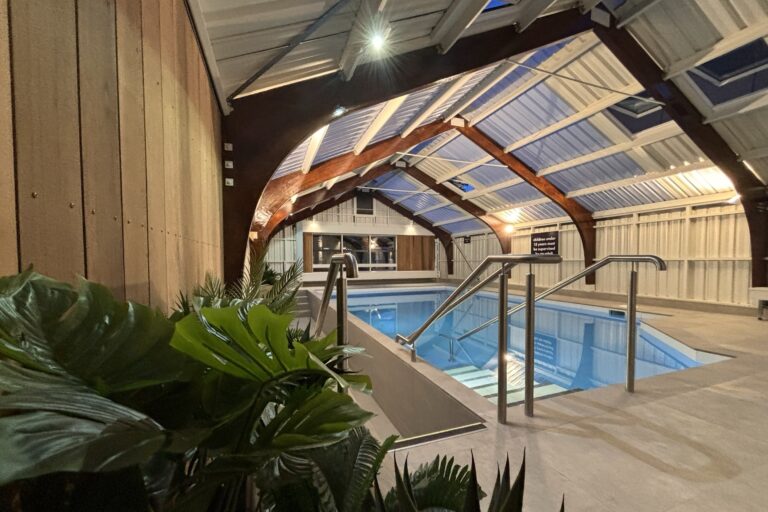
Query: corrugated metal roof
{"type": "Point", "coordinates": [344, 133]}
{"type": "Point", "coordinates": [531, 213]}
{"type": "Point", "coordinates": [675, 151]}
{"type": "Point", "coordinates": [689, 184]}
{"type": "Point", "coordinates": [465, 226]}
{"type": "Point", "coordinates": [473, 80]}
{"type": "Point", "coordinates": [293, 161]}
{"type": "Point", "coordinates": [461, 148]}
{"type": "Point", "coordinates": [487, 175]}
{"type": "Point", "coordinates": [576, 140]}
{"type": "Point", "coordinates": [421, 201]}
{"type": "Point", "coordinates": [596, 172]}
{"type": "Point", "coordinates": [531, 112]}
{"type": "Point", "coordinates": [407, 111]}
{"type": "Point", "coordinates": [445, 213]}
{"type": "Point", "coordinates": [518, 193]}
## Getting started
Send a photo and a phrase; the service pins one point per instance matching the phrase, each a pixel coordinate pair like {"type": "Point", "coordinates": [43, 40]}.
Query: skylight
{"type": "Point", "coordinates": [735, 74]}
{"type": "Point", "coordinates": [461, 185]}
{"type": "Point", "coordinates": [495, 4]}
{"type": "Point", "coordinates": [637, 115]}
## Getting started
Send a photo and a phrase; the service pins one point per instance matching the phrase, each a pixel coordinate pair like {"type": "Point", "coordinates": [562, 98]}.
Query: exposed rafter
{"type": "Point", "coordinates": [378, 122]}
{"type": "Point", "coordinates": [279, 191]}
{"type": "Point", "coordinates": [314, 146]}
{"type": "Point", "coordinates": [582, 217]}
{"type": "Point", "coordinates": [754, 196]}
{"type": "Point", "coordinates": [460, 15]}
{"type": "Point", "coordinates": [630, 11]}
{"type": "Point", "coordinates": [471, 208]}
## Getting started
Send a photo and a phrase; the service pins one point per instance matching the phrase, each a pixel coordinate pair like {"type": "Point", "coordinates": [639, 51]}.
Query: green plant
{"type": "Point", "coordinates": [261, 285]}
{"type": "Point", "coordinates": [443, 485]}
{"type": "Point", "coordinates": [184, 413]}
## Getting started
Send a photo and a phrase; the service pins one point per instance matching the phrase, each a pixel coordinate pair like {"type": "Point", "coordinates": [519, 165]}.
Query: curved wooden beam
{"type": "Point", "coordinates": [264, 128]}
{"type": "Point", "coordinates": [274, 204]}
{"type": "Point", "coordinates": [754, 195]}
{"type": "Point", "coordinates": [493, 223]}
{"type": "Point", "coordinates": [581, 217]}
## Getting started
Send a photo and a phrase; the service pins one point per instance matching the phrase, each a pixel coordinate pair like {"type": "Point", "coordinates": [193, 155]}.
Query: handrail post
{"type": "Point", "coordinates": [341, 312]}
{"type": "Point", "coordinates": [530, 329]}
{"type": "Point", "coordinates": [631, 329]}
{"type": "Point", "coordinates": [503, 340]}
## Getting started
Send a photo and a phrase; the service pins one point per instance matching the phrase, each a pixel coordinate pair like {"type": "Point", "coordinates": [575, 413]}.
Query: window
{"type": "Point", "coordinates": [461, 185]}
{"type": "Point", "coordinates": [364, 205]}
{"type": "Point", "coordinates": [373, 253]}
{"type": "Point", "coordinates": [637, 115]}
{"type": "Point", "coordinates": [323, 247]}
{"type": "Point", "coordinates": [735, 74]}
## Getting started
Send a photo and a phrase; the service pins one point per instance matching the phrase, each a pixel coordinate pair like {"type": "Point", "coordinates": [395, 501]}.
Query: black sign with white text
{"type": "Point", "coordinates": [467, 239]}
{"type": "Point", "coordinates": [545, 243]}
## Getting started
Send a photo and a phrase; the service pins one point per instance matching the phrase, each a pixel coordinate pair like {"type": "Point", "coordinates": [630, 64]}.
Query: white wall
{"type": "Point", "coordinates": [706, 248]}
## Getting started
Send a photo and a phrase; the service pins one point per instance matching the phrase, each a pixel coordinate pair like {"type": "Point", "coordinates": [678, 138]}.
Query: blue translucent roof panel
{"type": "Point", "coordinates": [518, 193]}
{"type": "Point", "coordinates": [421, 201]}
{"type": "Point", "coordinates": [443, 214]}
{"type": "Point", "coordinates": [293, 161]}
{"type": "Point", "coordinates": [461, 148]}
{"type": "Point", "coordinates": [633, 195]}
{"type": "Point", "coordinates": [597, 172]}
{"type": "Point", "coordinates": [342, 134]}
{"type": "Point", "coordinates": [488, 175]}
{"type": "Point", "coordinates": [464, 225]}
{"type": "Point", "coordinates": [573, 141]}
{"type": "Point", "coordinates": [541, 211]}
{"type": "Point", "coordinates": [531, 112]}
{"type": "Point", "coordinates": [458, 94]}
{"type": "Point", "coordinates": [517, 75]}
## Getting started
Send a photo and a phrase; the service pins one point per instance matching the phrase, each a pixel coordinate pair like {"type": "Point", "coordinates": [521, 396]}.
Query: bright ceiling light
{"type": "Point", "coordinates": [339, 111]}
{"type": "Point", "coordinates": [378, 41]}
{"type": "Point", "coordinates": [509, 228]}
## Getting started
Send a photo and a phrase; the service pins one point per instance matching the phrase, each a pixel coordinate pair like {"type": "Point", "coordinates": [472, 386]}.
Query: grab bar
{"type": "Point", "coordinates": [344, 265]}
{"type": "Point", "coordinates": [660, 264]}
{"type": "Point", "coordinates": [507, 261]}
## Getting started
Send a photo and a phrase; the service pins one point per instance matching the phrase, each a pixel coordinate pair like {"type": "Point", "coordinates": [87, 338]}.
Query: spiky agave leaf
{"type": "Point", "coordinates": [473, 492]}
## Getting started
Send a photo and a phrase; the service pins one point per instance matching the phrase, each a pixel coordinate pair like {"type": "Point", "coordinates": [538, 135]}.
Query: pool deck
{"type": "Point", "coordinates": [693, 440]}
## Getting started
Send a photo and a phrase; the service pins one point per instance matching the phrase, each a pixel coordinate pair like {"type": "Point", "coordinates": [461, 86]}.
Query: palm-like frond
{"type": "Point", "coordinates": [281, 297]}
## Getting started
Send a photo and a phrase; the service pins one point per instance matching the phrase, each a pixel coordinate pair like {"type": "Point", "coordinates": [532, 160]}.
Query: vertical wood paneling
{"type": "Point", "coordinates": [9, 263]}
{"type": "Point", "coordinates": [155, 143]}
{"type": "Point", "coordinates": [48, 174]}
{"type": "Point", "coordinates": [133, 161]}
{"type": "Point", "coordinates": [100, 143]}
{"type": "Point", "coordinates": [308, 252]}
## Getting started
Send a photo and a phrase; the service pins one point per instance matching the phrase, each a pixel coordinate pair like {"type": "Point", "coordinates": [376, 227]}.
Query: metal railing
{"type": "Point", "coordinates": [343, 265]}
{"type": "Point", "coordinates": [506, 262]}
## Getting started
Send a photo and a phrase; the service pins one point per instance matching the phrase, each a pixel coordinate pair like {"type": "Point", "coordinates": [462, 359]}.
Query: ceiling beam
{"type": "Point", "coordinates": [312, 148]}
{"type": "Point", "coordinates": [582, 217]}
{"type": "Point", "coordinates": [279, 190]}
{"type": "Point", "coordinates": [264, 128]}
{"type": "Point", "coordinates": [459, 15]}
{"type": "Point", "coordinates": [630, 11]}
{"type": "Point", "coordinates": [378, 122]}
{"type": "Point", "coordinates": [754, 195]}
{"type": "Point", "coordinates": [444, 236]}
{"type": "Point", "coordinates": [471, 208]}
{"type": "Point", "coordinates": [316, 209]}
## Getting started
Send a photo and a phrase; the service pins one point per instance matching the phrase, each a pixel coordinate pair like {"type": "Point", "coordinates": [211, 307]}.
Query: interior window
{"type": "Point", "coordinates": [323, 247]}
{"type": "Point", "coordinates": [364, 205]}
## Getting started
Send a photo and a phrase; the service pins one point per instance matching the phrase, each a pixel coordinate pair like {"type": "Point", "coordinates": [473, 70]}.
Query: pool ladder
{"type": "Point", "coordinates": [506, 262]}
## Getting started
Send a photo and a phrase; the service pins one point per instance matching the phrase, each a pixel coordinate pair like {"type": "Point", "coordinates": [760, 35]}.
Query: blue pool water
{"type": "Point", "coordinates": [576, 347]}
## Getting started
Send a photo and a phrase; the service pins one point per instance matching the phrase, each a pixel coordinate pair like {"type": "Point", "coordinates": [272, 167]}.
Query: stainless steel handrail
{"type": "Point", "coordinates": [507, 261]}
{"type": "Point", "coordinates": [343, 265]}
{"type": "Point", "coordinates": [660, 264]}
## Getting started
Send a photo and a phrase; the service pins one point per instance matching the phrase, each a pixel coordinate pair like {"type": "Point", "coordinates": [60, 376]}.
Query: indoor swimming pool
{"type": "Point", "coordinates": [576, 347]}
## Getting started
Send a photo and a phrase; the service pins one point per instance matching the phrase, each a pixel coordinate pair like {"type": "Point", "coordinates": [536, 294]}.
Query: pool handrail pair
{"type": "Point", "coordinates": [645, 258]}
{"type": "Point", "coordinates": [507, 262]}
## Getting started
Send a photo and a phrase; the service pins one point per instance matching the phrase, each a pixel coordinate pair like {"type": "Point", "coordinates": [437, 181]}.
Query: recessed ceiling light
{"type": "Point", "coordinates": [378, 41]}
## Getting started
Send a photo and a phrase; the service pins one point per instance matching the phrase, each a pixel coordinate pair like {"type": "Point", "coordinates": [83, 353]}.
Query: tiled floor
{"type": "Point", "coordinates": [695, 440]}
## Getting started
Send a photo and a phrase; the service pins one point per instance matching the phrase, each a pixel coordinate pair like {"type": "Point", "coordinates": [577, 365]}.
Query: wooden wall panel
{"type": "Point", "coordinates": [122, 83]}
{"type": "Point", "coordinates": [100, 143]}
{"type": "Point", "coordinates": [307, 251]}
{"type": "Point", "coordinates": [133, 160]}
{"type": "Point", "coordinates": [50, 207]}
{"type": "Point", "coordinates": [9, 262]}
{"type": "Point", "coordinates": [154, 145]}
{"type": "Point", "coordinates": [415, 252]}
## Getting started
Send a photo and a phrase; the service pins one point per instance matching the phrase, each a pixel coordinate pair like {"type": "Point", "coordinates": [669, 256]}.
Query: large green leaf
{"type": "Point", "coordinates": [70, 428]}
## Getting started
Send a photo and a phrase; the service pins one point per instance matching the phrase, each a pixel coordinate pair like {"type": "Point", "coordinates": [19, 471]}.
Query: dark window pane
{"type": "Point", "coordinates": [364, 205]}
{"type": "Point", "coordinates": [383, 249]}
{"type": "Point", "coordinates": [323, 247]}
{"type": "Point", "coordinates": [358, 246]}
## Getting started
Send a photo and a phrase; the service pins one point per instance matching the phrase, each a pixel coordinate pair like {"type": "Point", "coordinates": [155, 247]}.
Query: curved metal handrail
{"type": "Point", "coordinates": [645, 258]}
{"type": "Point", "coordinates": [346, 260]}
{"type": "Point", "coordinates": [507, 261]}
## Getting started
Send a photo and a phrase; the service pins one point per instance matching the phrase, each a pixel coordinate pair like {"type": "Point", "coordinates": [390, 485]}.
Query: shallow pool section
{"type": "Point", "coordinates": [576, 347]}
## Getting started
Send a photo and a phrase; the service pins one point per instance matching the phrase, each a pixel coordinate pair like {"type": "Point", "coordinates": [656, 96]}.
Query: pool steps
{"type": "Point", "coordinates": [483, 382]}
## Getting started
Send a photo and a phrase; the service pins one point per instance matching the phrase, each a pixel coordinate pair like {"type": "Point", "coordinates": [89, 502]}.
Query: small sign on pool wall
{"type": "Point", "coordinates": [545, 243]}
{"type": "Point", "coordinates": [467, 239]}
